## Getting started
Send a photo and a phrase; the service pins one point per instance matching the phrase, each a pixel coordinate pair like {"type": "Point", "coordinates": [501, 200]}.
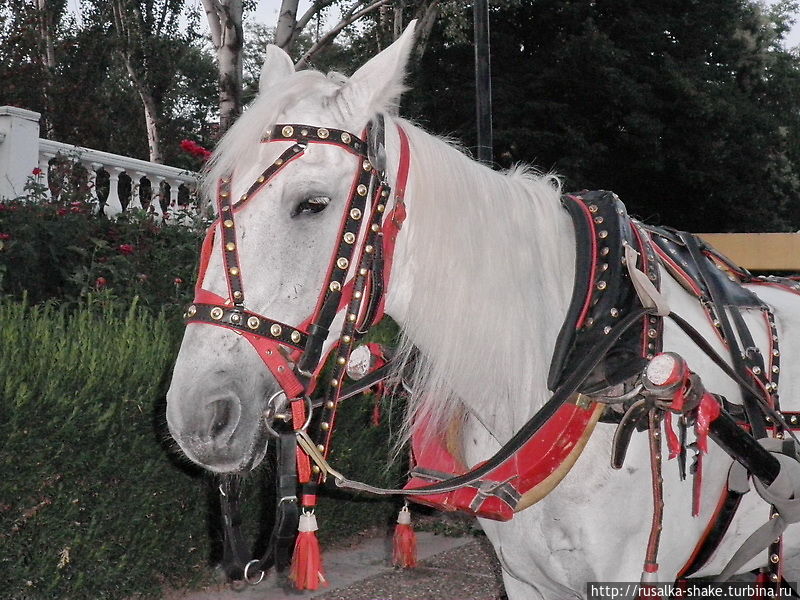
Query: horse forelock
{"type": "Point", "coordinates": [487, 276]}
{"type": "Point", "coordinates": [236, 148]}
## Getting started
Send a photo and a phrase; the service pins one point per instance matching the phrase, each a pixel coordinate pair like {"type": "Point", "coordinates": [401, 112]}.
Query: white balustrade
{"type": "Point", "coordinates": [22, 151]}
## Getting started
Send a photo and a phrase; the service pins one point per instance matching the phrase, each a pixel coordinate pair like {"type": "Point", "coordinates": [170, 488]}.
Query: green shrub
{"type": "Point", "coordinates": [56, 250]}
{"type": "Point", "coordinates": [91, 504]}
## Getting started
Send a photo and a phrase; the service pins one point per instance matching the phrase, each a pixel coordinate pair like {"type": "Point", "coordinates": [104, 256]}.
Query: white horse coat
{"type": "Point", "coordinates": [481, 283]}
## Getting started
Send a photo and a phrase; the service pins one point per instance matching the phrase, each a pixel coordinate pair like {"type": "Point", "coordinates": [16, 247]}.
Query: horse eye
{"type": "Point", "coordinates": [311, 205]}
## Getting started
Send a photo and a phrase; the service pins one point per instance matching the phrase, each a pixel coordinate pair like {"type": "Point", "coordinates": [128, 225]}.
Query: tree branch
{"type": "Point", "coordinates": [213, 10]}
{"type": "Point", "coordinates": [331, 35]}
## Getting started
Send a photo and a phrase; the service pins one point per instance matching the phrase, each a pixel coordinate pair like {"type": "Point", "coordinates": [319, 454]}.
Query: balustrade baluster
{"type": "Point", "coordinates": [113, 202]}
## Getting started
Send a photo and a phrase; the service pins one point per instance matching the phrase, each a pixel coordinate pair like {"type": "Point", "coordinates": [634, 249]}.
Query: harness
{"type": "Point", "coordinates": [613, 328]}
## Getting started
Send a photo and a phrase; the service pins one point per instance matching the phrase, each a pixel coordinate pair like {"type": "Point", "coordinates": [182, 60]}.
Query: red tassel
{"type": "Point", "coordinates": [307, 572]}
{"type": "Point", "coordinates": [405, 541]}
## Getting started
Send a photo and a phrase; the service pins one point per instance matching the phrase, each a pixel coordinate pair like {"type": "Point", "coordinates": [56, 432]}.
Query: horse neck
{"type": "Point", "coordinates": [484, 273]}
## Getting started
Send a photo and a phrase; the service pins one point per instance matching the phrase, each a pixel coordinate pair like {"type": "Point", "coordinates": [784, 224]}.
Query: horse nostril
{"type": "Point", "coordinates": [222, 420]}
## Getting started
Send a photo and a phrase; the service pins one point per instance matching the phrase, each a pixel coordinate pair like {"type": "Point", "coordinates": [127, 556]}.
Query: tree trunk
{"type": "Point", "coordinates": [225, 21]}
{"type": "Point", "coordinates": [287, 22]}
{"type": "Point", "coordinates": [48, 57]}
{"type": "Point", "coordinates": [151, 118]}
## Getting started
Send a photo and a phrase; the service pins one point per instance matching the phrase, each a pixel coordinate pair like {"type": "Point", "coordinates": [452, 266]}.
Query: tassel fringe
{"type": "Point", "coordinates": [307, 572]}
{"type": "Point", "coordinates": [405, 541]}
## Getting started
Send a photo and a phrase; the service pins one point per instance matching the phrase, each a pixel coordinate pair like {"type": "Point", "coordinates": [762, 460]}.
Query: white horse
{"type": "Point", "coordinates": [482, 278]}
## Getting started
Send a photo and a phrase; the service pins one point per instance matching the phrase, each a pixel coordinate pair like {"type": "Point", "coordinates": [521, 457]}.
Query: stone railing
{"type": "Point", "coordinates": [115, 182]}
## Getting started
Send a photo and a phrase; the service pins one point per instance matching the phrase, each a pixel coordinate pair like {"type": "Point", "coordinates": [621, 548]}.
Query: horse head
{"type": "Point", "coordinates": [284, 248]}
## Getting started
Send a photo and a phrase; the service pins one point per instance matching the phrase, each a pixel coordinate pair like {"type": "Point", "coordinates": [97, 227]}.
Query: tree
{"type": "Point", "coordinates": [225, 20]}
{"type": "Point", "coordinates": [687, 109]}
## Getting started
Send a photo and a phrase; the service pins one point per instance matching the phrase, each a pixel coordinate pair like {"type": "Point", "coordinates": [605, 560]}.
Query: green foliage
{"type": "Point", "coordinates": [61, 250]}
{"type": "Point", "coordinates": [91, 504]}
{"type": "Point", "coordinates": [688, 110]}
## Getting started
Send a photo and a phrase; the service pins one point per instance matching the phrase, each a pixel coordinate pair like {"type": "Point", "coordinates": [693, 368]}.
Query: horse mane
{"type": "Point", "coordinates": [486, 275]}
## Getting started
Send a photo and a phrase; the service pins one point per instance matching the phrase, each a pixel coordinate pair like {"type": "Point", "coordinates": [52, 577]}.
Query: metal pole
{"type": "Point", "coordinates": [483, 83]}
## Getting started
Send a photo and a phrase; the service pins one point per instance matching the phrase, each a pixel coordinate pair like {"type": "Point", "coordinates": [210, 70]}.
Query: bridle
{"type": "Point", "coordinates": [356, 281]}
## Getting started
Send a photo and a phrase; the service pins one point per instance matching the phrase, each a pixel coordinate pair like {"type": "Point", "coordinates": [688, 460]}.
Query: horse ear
{"type": "Point", "coordinates": [377, 85]}
{"type": "Point", "coordinates": [276, 68]}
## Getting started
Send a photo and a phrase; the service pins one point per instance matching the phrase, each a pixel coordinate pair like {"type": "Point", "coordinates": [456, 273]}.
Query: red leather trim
{"type": "Point", "coordinates": [593, 237]}
{"type": "Point", "coordinates": [531, 465]}
{"type": "Point", "coordinates": [396, 217]}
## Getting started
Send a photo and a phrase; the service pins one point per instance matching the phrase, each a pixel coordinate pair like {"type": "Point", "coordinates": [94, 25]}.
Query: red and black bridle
{"type": "Point", "coordinates": [357, 275]}
{"type": "Point", "coordinates": [356, 282]}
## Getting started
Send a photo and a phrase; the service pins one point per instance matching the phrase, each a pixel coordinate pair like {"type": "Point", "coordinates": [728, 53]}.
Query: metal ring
{"type": "Point", "coordinates": [247, 577]}
{"type": "Point", "coordinates": [269, 413]}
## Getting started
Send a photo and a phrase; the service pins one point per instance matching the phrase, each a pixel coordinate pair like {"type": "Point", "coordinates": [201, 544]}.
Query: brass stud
{"type": "Point", "coordinates": [230, 246]}
{"type": "Point", "coordinates": [324, 426]}
{"type": "Point", "coordinates": [228, 223]}
{"type": "Point", "coordinates": [593, 208]}
{"type": "Point", "coordinates": [375, 227]}
{"type": "Point", "coordinates": [295, 337]}
{"type": "Point", "coordinates": [315, 469]}
{"type": "Point", "coordinates": [357, 295]}
{"type": "Point", "coordinates": [601, 285]}
{"type": "Point", "coordinates": [351, 317]}
{"type": "Point", "coordinates": [341, 360]}
{"type": "Point", "coordinates": [607, 329]}
{"type": "Point", "coordinates": [323, 133]}
{"type": "Point", "coordinates": [366, 165]}
{"type": "Point", "coordinates": [224, 195]}
{"type": "Point", "coordinates": [329, 404]}
{"type": "Point", "coordinates": [279, 162]}
{"type": "Point", "coordinates": [346, 339]}
{"type": "Point", "coordinates": [604, 251]}
{"type": "Point", "coordinates": [355, 214]}
{"type": "Point", "coordinates": [304, 132]}
{"type": "Point", "coordinates": [614, 312]}
{"type": "Point", "coordinates": [756, 370]}
{"type": "Point", "coordinates": [243, 198]}
{"type": "Point", "coordinates": [275, 329]}
{"type": "Point", "coordinates": [216, 313]}
{"type": "Point", "coordinates": [345, 137]}
{"type": "Point", "coordinates": [236, 318]}
{"type": "Point", "coordinates": [191, 311]}
{"type": "Point", "coordinates": [361, 190]}
{"type": "Point", "coordinates": [369, 249]}
{"type": "Point", "coordinates": [774, 559]}
{"type": "Point", "coordinates": [602, 234]}
{"type": "Point", "coordinates": [349, 237]}
{"type": "Point", "coordinates": [362, 271]}
{"type": "Point", "coordinates": [776, 369]}
{"type": "Point", "coordinates": [335, 286]}
{"type": "Point", "coordinates": [380, 208]}
{"type": "Point", "coordinates": [237, 294]}
{"type": "Point", "coordinates": [384, 194]}
{"type": "Point", "coordinates": [234, 271]}
{"type": "Point", "coordinates": [775, 353]}
{"type": "Point", "coordinates": [321, 448]}
{"type": "Point", "coordinates": [261, 179]}
{"type": "Point", "coordinates": [287, 131]}
{"type": "Point", "coordinates": [793, 419]}
{"type": "Point", "coordinates": [342, 262]}
{"type": "Point", "coordinates": [589, 322]}
{"type": "Point", "coordinates": [253, 322]}
{"type": "Point", "coordinates": [774, 577]}
{"type": "Point", "coordinates": [652, 333]}
{"type": "Point", "coordinates": [598, 220]}
{"type": "Point", "coordinates": [334, 383]}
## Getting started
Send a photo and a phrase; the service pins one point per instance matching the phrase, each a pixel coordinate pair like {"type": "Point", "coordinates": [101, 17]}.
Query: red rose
{"type": "Point", "coordinates": [126, 249]}
{"type": "Point", "coordinates": [100, 282]}
{"type": "Point", "coordinates": [178, 281]}
{"type": "Point", "coordinates": [5, 236]}
{"type": "Point", "coordinates": [37, 171]}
